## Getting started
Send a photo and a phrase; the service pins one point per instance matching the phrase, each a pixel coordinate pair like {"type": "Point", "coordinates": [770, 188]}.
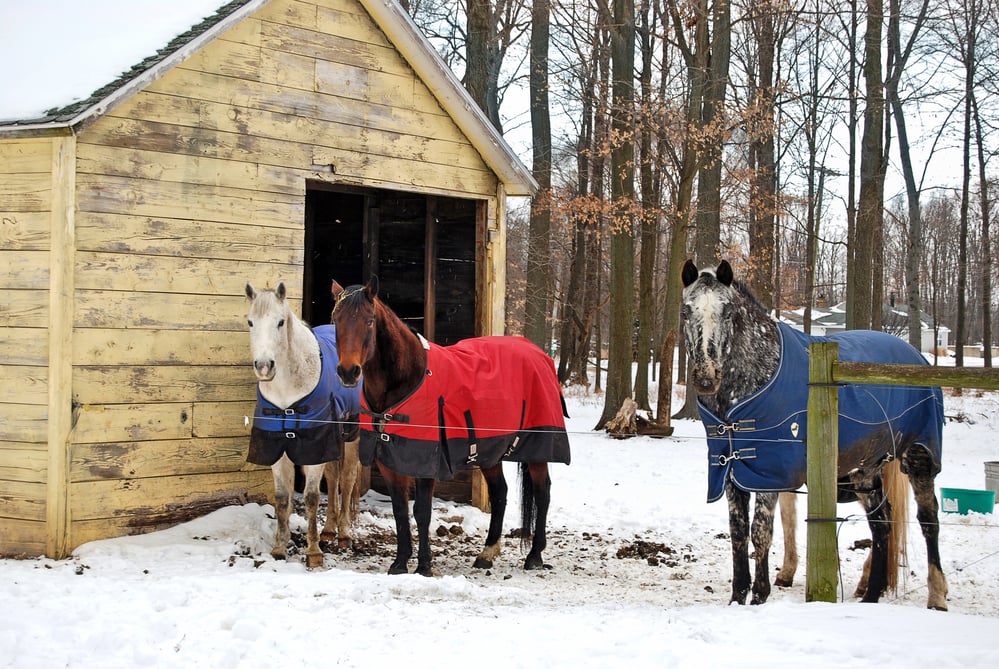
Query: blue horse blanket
{"type": "Point", "coordinates": [480, 401]}
{"type": "Point", "coordinates": [312, 430]}
{"type": "Point", "coordinates": [760, 443]}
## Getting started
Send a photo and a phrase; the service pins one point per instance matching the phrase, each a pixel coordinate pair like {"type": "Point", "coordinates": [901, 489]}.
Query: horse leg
{"type": "Point", "coordinates": [762, 535]}
{"type": "Point", "coordinates": [535, 499]}
{"type": "Point", "coordinates": [878, 509]}
{"type": "Point", "coordinates": [497, 487]}
{"type": "Point", "coordinates": [789, 524]}
{"type": "Point", "coordinates": [738, 527]}
{"type": "Point", "coordinates": [332, 475]}
{"type": "Point", "coordinates": [398, 487]}
{"type": "Point", "coordinates": [918, 464]}
{"type": "Point", "coordinates": [348, 482]}
{"type": "Point", "coordinates": [284, 490]}
{"type": "Point", "coordinates": [422, 506]}
{"type": "Point", "coordinates": [313, 476]}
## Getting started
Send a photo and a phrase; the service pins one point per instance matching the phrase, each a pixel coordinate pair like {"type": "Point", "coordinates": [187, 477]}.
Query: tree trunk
{"type": "Point", "coordinates": [539, 263]}
{"type": "Point", "coordinates": [869, 215]}
{"type": "Point", "coordinates": [622, 254]}
{"type": "Point", "coordinates": [898, 57]}
{"type": "Point", "coordinates": [707, 229]}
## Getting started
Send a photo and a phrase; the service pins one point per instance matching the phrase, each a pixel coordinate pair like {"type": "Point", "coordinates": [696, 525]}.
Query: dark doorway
{"type": "Point", "coordinates": [423, 248]}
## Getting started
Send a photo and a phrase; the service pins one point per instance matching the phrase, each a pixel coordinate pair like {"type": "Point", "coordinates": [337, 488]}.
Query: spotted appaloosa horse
{"type": "Point", "coordinates": [304, 416]}
{"type": "Point", "coordinates": [428, 410]}
{"type": "Point", "coordinates": [751, 375]}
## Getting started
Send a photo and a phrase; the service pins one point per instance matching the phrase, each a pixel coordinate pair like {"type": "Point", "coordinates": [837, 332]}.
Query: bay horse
{"type": "Point", "coordinates": [304, 416]}
{"type": "Point", "coordinates": [750, 373]}
{"type": "Point", "coordinates": [428, 410]}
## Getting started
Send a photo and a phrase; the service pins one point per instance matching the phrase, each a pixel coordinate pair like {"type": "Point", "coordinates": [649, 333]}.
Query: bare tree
{"type": "Point", "coordinates": [622, 280]}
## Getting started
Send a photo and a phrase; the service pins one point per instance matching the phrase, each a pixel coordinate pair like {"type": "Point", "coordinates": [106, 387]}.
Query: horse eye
{"type": "Point", "coordinates": [249, 322]}
{"type": "Point", "coordinates": [371, 322]}
{"type": "Point", "coordinates": [281, 323]}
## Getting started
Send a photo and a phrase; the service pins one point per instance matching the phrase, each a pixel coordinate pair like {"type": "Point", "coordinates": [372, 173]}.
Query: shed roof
{"type": "Point", "coordinates": [165, 53]}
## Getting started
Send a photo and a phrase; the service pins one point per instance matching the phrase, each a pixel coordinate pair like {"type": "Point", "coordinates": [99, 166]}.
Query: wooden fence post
{"type": "Point", "coordinates": [822, 441]}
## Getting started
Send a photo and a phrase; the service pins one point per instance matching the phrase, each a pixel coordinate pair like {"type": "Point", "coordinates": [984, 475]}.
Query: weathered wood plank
{"type": "Point", "coordinates": [336, 48]}
{"type": "Point", "coordinates": [223, 419]}
{"type": "Point", "coordinates": [27, 463]}
{"type": "Point", "coordinates": [26, 423]}
{"type": "Point", "coordinates": [26, 191]}
{"type": "Point", "coordinates": [166, 500]}
{"type": "Point", "coordinates": [353, 25]}
{"type": "Point", "coordinates": [131, 422]}
{"type": "Point", "coordinates": [426, 138]}
{"type": "Point", "coordinates": [159, 311]}
{"type": "Point", "coordinates": [822, 556]}
{"type": "Point", "coordinates": [24, 230]}
{"type": "Point", "coordinates": [229, 58]}
{"type": "Point", "coordinates": [24, 346]}
{"type": "Point", "coordinates": [21, 538]}
{"type": "Point", "coordinates": [986, 378]}
{"type": "Point", "coordinates": [162, 383]}
{"type": "Point", "coordinates": [24, 308]}
{"type": "Point", "coordinates": [110, 194]}
{"type": "Point", "coordinates": [300, 14]}
{"type": "Point", "coordinates": [127, 460]}
{"type": "Point", "coordinates": [23, 500]}
{"type": "Point", "coordinates": [23, 385]}
{"type": "Point", "coordinates": [162, 166]}
{"type": "Point", "coordinates": [24, 270]}
{"type": "Point", "coordinates": [22, 156]}
{"type": "Point", "coordinates": [120, 233]}
{"type": "Point", "coordinates": [97, 346]}
{"type": "Point", "coordinates": [174, 274]}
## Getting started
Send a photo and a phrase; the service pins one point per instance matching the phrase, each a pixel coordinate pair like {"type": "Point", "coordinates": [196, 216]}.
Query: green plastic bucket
{"type": "Point", "coordinates": [962, 500]}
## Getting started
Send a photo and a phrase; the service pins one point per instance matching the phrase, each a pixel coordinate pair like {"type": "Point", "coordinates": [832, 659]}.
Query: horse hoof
{"type": "Point", "coordinates": [483, 563]}
{"type": "Point", "coordinates": [278, 555]}
{"type": "Point", "coordinates": [396, 569]}
{"type": "Point", "coordinates": [314, 561]}
{"type": "Point", "coordinates": [344, 544]}
{"type": "Point", "coordinates": [534, 562]}
{"type": "Point", "coordinates": [783, 583]}
{"type": "Point", "coordinates": [326, 535]}
{"type": "Point", "coordinates": [425, 571]}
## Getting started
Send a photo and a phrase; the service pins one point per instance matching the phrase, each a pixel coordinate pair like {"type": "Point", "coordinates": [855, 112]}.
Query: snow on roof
{"type": "Point", "coordinates": [55, 53]}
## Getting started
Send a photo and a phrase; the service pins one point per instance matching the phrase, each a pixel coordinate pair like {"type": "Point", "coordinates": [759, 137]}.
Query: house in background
{"type": "Point", "coordinates": [282, 140]}
{"type": "Point", "coordinates": [830, 320]}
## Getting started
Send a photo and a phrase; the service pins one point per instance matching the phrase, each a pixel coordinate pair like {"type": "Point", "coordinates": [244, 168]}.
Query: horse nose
{"type": "Point", "coordinates": [349, 375]}
{"type": "Point", "coordinates": [264, 368]}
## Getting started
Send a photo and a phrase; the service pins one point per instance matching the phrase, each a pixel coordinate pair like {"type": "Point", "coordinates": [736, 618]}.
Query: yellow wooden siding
{"type": "Point", "coordinates": [26, 173]}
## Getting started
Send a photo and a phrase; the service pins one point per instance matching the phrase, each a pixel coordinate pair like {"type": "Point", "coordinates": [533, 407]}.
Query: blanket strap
{"type": "Point", "coordinates": [386, 417]}
{"type": "Point", "coordinates": [726, 431]}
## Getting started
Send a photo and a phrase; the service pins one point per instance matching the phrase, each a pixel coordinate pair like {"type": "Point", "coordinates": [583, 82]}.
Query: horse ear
{"type": "Point", "coordinates": [689, 273]}
{"type": "Point", "coordinates": [281, 292]}
{"type": "Point", "coordinates": [336, 290]}
{"type": "Point", "coordinates": [724, 273]}
{"type": "Point", "coordinates": [372, 287]}
{"type": "Point", "coordinates": [250, 292]}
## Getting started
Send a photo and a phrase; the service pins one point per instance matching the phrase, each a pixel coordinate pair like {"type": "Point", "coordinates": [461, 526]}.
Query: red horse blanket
{"type": "Point", "coordinates": [481, 400]}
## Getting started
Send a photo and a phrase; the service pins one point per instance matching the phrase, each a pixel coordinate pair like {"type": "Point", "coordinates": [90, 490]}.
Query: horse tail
{"type": "Point", "coordinates": [528, 509]}
{"type": "Point", "coordinates": [896, 487]}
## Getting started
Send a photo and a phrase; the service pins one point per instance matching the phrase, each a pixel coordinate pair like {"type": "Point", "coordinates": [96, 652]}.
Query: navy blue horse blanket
{"type": "Point", "coordinates": [480, 401]}
{"type": "Point", "coordinates": [312, 430]}
{"type": "Point", "coordinates": [760, 443]}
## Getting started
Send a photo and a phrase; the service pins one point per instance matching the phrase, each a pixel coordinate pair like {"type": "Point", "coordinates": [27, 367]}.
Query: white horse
{"type": "Point", "coordinates": [302, 413]}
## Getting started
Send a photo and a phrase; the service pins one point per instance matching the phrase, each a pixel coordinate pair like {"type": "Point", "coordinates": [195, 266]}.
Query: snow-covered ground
{"type": "Point", "coordinates": [208, 594]}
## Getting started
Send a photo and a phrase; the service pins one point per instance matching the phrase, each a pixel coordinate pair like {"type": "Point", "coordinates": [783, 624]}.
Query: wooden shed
{"type": "Point", "coordinates": [294, 140]}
